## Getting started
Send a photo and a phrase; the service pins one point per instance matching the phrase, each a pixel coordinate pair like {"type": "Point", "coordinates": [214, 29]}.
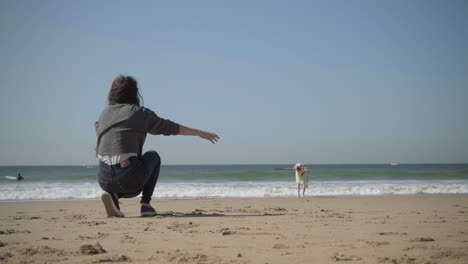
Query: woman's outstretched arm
{"type": "Point", "coordinates": [187, 131]}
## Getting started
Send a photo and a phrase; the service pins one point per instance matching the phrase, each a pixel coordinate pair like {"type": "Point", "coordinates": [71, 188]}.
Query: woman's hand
{"type": "Point", "coordinates": [208, 136]}
{"type": "Point", "coordinates": [187, 131]}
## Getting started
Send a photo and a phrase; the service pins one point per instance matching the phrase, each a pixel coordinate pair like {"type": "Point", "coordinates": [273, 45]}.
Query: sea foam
{"type": "Point", "coordinates": [91, 190]}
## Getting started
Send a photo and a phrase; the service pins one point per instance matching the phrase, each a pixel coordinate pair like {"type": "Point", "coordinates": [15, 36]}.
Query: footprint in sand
{"type": "Point", "coordinates": [41, 250]}
{"type": "Point", "coordinates": [128, 239]}
{"type": "Point", "coordinates": [423, 239]}
{"type": "Point", "coordinates": [179, 256]}
{"type": "Point", "coordinates": [22, 217]}
{"type": "Point", "coordinates": [182, 227]}
{"type": "Point", "coordinates": [13, 231]}
{"type": "Point", "coordinates": [121, 258]}
{"type": "Point", "coordinates": [279, 246]}
{"type": "Point", "coordinates": [97, 236]}
{"type": "Point", "coordinates": [342, 257]}
{"type": "Point", "coordinates": [88, 249]}
{"type": "Point", "coordinates": [377, 243]}
{"type": "Point", "coordinates": [226, 231]}
{"type": "Point", "coordinates": [393, 233]}
{"type": "Point", "coordinates": [93, 223]}
{"type": "Point", "coordinates": [6, 256]}
{"type": "Point", "coordinates": [76, 217]}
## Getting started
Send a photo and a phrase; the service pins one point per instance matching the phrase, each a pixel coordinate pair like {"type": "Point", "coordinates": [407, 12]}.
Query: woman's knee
{"type": "Point", "coordinates": [153, 156]}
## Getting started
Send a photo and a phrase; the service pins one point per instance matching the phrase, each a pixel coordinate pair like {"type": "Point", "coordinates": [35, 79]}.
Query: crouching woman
{"type": "Point", "coordinates": [124, 171]}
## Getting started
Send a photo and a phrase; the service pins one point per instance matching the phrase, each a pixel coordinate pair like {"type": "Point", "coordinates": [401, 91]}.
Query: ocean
{"type": "Point", "coordinates": [207, 181]}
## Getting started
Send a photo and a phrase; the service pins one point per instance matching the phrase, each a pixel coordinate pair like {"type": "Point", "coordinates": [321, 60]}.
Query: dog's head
{"type": "Point", "coordinates": [299, 167]}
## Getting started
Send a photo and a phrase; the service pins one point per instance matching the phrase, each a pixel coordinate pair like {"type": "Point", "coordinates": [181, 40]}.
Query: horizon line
{"type": "Point", "coordinates": [244, 164]}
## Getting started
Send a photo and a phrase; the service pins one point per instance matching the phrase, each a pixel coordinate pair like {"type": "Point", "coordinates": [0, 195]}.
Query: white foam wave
{"type": "Point", "coordinates": [91, 190]}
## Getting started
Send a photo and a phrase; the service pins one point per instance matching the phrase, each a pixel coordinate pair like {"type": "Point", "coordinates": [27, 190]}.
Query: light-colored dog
{"type": "Point", "coordinates": [302, 178]}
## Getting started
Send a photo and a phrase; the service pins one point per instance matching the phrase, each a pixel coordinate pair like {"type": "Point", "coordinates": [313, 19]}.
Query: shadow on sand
{"type": "Point", "coordinates": [199, 213]}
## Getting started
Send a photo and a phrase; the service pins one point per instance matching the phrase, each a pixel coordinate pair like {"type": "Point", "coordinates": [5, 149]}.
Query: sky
{"type": "Point", "coordinates": [280, 82]}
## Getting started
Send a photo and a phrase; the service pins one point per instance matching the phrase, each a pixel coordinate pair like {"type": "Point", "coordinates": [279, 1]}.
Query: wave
{"type": "Point", "coordinates": [88, 190]}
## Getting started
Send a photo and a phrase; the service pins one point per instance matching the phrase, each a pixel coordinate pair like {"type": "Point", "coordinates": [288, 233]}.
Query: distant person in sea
{"type": "Point", "coordinates": [124, 171]}
{"type": "Point", "coordinates": [19, 177]}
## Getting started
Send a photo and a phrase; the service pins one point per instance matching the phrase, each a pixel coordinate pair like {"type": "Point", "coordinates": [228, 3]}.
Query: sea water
{"type": "Point", "coordinates": [195, 181]}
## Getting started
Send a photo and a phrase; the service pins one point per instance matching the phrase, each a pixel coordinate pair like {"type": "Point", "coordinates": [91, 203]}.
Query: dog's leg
{"type": "Point", "coordinates": [303, 191]}
{"type": "Point", "coordinates": [299, 190]}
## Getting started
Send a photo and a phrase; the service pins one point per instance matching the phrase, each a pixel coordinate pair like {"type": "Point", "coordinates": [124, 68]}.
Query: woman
{"type": "Point", "coordinates": [124, 171]}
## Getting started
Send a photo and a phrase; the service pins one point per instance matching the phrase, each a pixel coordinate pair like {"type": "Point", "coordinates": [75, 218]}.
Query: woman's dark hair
{"type": "Point", "coordinates": [124, 90]}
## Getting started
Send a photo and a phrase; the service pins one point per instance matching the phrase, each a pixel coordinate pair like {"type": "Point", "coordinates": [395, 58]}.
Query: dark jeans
{"type": "Point", "coordinates": [140, 176]}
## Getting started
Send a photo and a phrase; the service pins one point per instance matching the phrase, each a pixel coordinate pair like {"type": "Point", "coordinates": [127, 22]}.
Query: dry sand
{"type": "Point", "coordinates": [381, 229]}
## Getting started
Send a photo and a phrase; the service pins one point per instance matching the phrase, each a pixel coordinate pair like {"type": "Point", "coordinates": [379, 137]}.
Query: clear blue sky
{"type": "Point", "coordinates": [279, 81]}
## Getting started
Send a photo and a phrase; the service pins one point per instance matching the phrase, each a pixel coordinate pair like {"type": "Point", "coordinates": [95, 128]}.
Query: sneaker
{"type": "Point", "coordinates": [111, 203]}
{"type": "Point", "coordinates": [147, 210]}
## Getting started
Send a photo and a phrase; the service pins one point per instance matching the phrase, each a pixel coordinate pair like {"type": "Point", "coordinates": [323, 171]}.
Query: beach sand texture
{"type": "Point", "coordinates": [378, 229]}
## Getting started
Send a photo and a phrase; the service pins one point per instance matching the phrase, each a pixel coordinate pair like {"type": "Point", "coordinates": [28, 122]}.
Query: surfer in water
{"type": "Point", "coordinates": [19, 177]}
{"type": "Point", "coordinates": [124, 170]}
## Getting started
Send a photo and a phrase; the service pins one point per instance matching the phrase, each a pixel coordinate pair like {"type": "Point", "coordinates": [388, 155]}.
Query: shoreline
{"type": "Point", "coordinates": [334, 229]}
{"type": "Point", "coordinates": [253, 197]}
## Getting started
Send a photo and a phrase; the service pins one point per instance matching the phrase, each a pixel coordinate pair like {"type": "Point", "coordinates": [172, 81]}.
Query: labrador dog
{"type": "Point", "coordinates": [302, 178]}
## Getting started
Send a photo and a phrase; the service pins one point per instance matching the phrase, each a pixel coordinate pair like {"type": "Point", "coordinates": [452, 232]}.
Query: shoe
{"type": "Point", "coordinates": [147, 210]}
{"type": "Point", "coordinates": [111, 203]}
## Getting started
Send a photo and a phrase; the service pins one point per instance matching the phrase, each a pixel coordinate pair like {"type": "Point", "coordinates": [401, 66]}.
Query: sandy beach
{"type": "Point", "coordinates": [380, 229]}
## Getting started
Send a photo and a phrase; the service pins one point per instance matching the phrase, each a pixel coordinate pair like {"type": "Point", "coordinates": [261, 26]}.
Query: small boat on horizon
{"type": "Point", "coordinates": [394, 163]}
